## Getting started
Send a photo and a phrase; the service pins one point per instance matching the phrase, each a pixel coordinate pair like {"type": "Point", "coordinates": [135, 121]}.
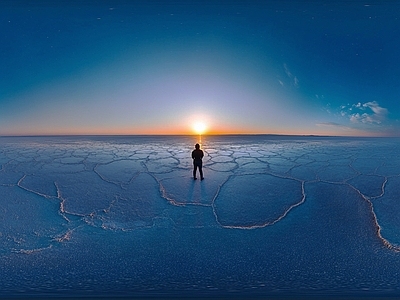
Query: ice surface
{"type": "Point", "coordinates": [275, 215]}
{"type": "Point", "coordinates": [257, 200]}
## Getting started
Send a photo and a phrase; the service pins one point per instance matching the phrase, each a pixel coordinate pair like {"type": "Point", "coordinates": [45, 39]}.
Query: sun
{"type": "Point", "coordinates": [199, 127]}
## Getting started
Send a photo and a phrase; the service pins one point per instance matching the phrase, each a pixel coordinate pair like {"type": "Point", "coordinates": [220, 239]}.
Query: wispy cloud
{"type": "Point", "coordinates": [294, 81]}
{"type": "Point", "coordinates": [334, 125]}
{"type": "Point", "coordinates": [367, 113]}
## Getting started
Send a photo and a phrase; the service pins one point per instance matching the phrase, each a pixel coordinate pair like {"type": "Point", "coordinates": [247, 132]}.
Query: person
{"type": "Point", "coordinates": [197, 155]}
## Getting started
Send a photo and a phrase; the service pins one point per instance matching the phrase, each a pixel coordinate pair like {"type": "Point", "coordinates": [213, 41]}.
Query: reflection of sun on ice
{"type": "Point", "coordinates": [199, 127]}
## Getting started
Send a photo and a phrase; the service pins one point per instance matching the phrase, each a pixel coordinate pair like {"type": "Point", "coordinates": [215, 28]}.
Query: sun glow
{"type": "Point", "coordinates": [199, 128]}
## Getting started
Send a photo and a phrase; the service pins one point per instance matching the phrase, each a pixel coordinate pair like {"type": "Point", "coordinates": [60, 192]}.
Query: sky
{"type": "Point", "coordinates": [240, 67]}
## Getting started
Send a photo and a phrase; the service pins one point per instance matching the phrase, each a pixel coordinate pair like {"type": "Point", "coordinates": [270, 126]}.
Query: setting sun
{"type": "Point", "coordinates": [199, 127]}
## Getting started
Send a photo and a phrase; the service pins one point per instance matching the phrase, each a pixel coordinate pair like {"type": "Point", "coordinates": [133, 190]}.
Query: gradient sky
{"type": "Point", "coordinates": [155, 67]}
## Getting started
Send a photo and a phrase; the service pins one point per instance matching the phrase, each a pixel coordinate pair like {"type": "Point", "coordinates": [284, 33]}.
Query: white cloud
{"type": "Point", "coordinates": [294, 80]}
{"type": "Point", "coordinates": [358, 105]}
{"type": "Point", "coordinates": [374, 106]}
{"type": "Point", "coordinates": [287, 71]}
{"type": "Point", "coordinates": [367, 113]}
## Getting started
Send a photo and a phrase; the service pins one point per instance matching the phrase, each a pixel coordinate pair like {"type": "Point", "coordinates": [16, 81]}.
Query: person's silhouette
{"type": "Point", "coordinates": [197, 155]}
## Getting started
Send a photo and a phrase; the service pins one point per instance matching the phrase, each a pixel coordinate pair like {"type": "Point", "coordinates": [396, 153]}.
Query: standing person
{"type": "Point", "coordinates": [197, 155]}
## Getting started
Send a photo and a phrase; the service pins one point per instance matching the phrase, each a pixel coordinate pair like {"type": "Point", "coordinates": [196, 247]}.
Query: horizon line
{"type": "Point", "coordinates": [194, 135]}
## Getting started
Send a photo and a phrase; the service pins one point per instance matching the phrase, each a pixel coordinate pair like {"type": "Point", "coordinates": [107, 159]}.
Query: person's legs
{"type": "Point", "coordinates": [194, 170]}
{"type": "Point", "coordinates": [201, 171]}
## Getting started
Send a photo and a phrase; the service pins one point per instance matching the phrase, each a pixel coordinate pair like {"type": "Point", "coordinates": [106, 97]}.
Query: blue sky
{"type": "Point", "coordinates": [154, 67]}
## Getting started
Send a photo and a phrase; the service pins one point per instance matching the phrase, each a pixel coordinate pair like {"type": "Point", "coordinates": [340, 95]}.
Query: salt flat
{"type": "Point", "coordinates": [277, 216]}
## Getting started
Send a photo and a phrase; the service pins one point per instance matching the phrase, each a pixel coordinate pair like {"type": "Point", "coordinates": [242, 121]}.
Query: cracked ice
{"type": "Point", "coordinates": [59, 184]}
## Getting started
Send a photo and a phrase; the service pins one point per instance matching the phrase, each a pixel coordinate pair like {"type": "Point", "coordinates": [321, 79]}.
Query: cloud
{"type": "Point", "coordinates": [334, 125]}
{"type": "Point", "coordinates": [366, 113]}
{"type": "Point", "coordinates": [374, 106]}
{"type": "Point", "coordinates": [294, 80]}
{"type": "Point", "coordinates": [358, 105]}
{"type": "Point", "coordinates": [290, 75]}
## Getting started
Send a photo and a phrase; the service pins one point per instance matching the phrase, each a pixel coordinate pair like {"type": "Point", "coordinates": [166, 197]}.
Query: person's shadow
{"type": "Point", "coordinates": [191, 191]}
{"type": "Point", "coordinates": [197, 192]}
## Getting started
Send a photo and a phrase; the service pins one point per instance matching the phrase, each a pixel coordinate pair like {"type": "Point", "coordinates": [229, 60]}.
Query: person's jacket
{"type": "Point", "coordinates": [197, 154]}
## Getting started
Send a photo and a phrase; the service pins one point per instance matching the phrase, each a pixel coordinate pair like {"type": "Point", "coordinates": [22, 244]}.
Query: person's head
{"type": "Point", "coordinates": [197, 146]}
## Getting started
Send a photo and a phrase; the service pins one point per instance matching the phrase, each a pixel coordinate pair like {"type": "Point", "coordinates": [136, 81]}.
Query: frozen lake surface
{"type": "Point", "coordinates": [276, 216]}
